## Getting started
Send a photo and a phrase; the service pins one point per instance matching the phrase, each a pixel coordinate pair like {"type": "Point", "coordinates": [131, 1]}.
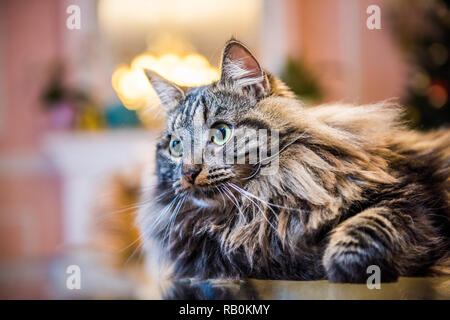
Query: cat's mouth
{"type": "Point", "coordinates": [216, 190]}
{"type": "Point", "coordinates": [208, 195]}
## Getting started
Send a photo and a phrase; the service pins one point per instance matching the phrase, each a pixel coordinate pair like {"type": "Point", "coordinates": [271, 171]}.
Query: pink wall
{"type": "Point", "coordinates": [28, 193]}
{"type": "Point", "coordinates": [352, 63]}
{"type": "Point", "coordinates": [384, 68]}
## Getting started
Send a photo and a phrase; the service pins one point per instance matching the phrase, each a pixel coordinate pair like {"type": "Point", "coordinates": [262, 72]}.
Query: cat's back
{"type": "Point", "coordinates": [422, 167]}
{"type": "Point", "coordinates": [427, 155]}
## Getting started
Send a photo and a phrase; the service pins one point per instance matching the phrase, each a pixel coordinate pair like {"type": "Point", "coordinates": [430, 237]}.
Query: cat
{"type": "Point", "coordinates": [353, 187]}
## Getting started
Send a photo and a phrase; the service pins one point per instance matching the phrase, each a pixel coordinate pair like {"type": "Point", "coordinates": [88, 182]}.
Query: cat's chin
{"type": "Point", "coordinates": [204, 203]}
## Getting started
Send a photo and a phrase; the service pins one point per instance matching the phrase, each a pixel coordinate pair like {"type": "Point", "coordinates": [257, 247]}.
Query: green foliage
{"type": "Point", "coordinates": [422, 30]}
{"type": "Point", "coordinates": [297, 76]}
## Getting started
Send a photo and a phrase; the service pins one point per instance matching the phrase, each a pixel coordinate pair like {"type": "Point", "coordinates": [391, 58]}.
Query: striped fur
{"type": "Point", "coordinates": [354, 188]}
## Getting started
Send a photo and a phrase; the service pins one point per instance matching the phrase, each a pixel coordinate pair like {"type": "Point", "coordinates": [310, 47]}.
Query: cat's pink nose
{"type": "Point", "coordinates": [190, 173]}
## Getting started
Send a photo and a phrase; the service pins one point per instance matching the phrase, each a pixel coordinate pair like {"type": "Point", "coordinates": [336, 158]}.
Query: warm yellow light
{"type": "Point", "coordinates": [144, 61]}
{"type": "Point", "coordinates": [134, 89]}
{"type": "Point", "coordinates": [196, 61]}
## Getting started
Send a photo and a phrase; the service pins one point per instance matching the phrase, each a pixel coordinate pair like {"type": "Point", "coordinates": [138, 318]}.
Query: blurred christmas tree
{"type": "Point", "coordinates": [297, 76]}
{"type": "Point", "coordinates": [422, 30]}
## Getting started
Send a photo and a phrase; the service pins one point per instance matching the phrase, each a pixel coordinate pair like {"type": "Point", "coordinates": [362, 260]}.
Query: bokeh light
{"type": "Point", "coordinates": [437, 95]}
{"type": "Point", "coordinates": [134, 89]}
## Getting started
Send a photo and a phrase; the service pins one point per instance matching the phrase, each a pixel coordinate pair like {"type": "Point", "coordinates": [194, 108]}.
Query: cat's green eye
{"type": "Point", "coordinates": [221, 133]}
{"type": "Point", "coordinates": [175, 147]}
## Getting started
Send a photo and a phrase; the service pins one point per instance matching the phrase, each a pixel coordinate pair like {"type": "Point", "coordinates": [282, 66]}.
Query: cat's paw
{"type": "Point", "coordinates": [361, 244]}
{"type": "Point", "coordinates": [356, 266]}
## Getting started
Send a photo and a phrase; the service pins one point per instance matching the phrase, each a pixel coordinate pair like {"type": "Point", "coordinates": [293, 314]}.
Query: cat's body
{"type": "Point", "coordinates": [353, 187]}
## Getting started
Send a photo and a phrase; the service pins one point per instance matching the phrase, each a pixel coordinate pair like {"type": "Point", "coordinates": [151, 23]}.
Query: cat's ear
{"type": "Point", "coordinates": [169, 94]}
{"type": "Point", "coordinates": [241, 69]}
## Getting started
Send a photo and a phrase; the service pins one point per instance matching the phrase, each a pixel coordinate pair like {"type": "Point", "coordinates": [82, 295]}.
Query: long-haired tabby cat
{"type": "Point", "coordinates": [353, 187]}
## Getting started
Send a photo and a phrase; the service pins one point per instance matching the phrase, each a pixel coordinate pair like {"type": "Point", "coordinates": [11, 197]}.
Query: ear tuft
{"type": "Point", "coordinates": [241, 70]}
{"type": "Point", "coordinates": [169, 94]}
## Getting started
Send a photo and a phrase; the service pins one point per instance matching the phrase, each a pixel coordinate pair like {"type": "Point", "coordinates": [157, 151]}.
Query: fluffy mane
{"type": "Point", "coordinates": [335, 152]}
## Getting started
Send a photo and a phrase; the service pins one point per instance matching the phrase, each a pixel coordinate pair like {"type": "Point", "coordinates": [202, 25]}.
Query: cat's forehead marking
{"type": "Point", "coordinates": [204, 102]}
{"type": "Point", "coordinates": [174, 118]}
{"type": "Point", "coordinates": [186, 115]}
{"type": "Point", "coordinates": [192, 102]}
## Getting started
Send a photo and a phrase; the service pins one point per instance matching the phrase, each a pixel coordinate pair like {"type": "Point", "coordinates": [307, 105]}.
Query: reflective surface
{"type": "Point", "coordinates": [47, 279]}
{"type": "Point", "coordinates": [404, 288]}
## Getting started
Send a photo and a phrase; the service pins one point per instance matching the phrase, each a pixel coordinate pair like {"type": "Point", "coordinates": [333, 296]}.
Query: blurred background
{"type": "Point", "coordinates": [76, 111]}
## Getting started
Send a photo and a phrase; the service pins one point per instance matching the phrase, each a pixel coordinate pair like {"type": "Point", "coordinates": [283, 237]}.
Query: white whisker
{"type": "Point", "coordinates": [260, 209]}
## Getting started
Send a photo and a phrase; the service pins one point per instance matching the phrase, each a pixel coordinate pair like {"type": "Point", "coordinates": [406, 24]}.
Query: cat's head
{"type": "Point", "coordinates": [214, 135]}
